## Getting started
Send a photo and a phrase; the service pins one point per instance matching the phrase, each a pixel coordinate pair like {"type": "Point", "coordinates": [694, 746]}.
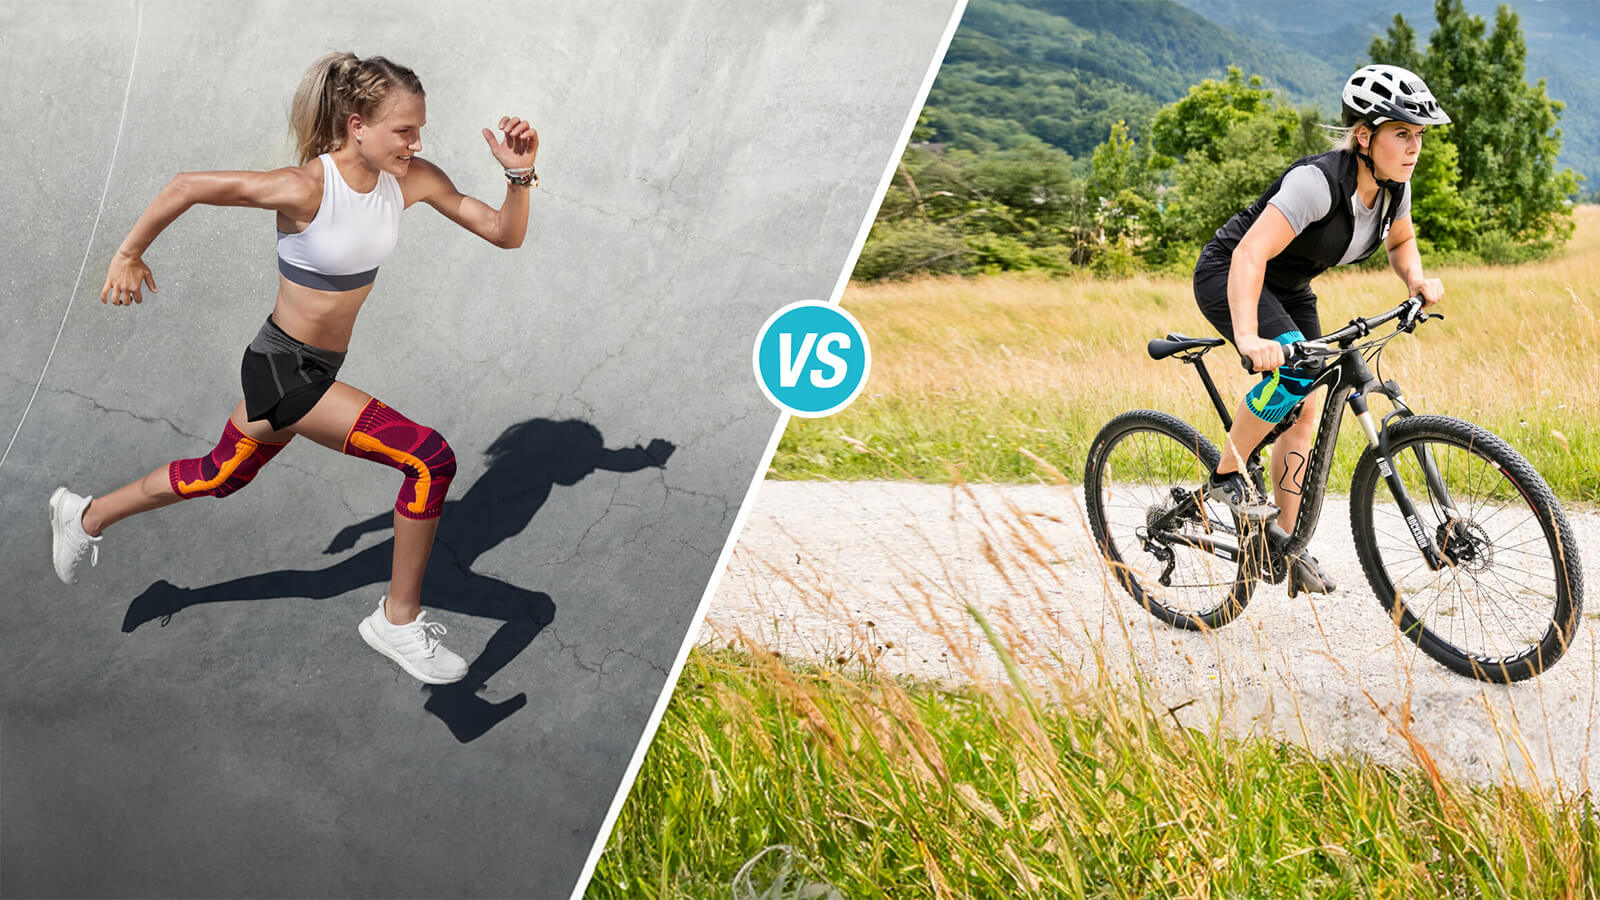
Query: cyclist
{"type": "Point", "coordinates": [358, 124]}
{"type": "Point", "coordinates": [1253, 279]}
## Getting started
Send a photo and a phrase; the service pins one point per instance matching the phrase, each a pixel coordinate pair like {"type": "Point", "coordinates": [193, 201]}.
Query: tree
{"type": "Point", "coordinates": [1398, 47]}
{"type": "Point", "coordinates": [1199, 121]}
{"type": "Point", "coordinates": [1209, 193]}
{"type": "Point", "coordinates": [956, 211]}
{"type": "Point", "coordinates": [1121, 187]}
{"type": "Point", "coordinates": [1311, 138]}
{"type": "Point", "coordinates": [1503, 136]}
{"type": "Point", "coordinates": [1225, 141]}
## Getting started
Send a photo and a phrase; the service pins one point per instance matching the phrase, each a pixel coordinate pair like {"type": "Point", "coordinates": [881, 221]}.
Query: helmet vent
{"type": "Point", "coordinates": [1382, 93]}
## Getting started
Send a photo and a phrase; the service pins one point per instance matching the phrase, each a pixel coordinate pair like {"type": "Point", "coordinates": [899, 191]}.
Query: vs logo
{"type": "Point", "coordinates": [811, 358]}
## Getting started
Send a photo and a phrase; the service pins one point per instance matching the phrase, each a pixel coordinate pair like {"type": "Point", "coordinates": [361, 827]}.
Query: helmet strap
{"type": "Point", "coordinates": [1394, 187]}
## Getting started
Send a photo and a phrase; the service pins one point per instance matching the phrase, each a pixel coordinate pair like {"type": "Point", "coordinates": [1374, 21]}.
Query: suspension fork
{"type": "Point", "coordinates": [1437, 489]}
{"type": "Point", "coordinates": [1378, 441]}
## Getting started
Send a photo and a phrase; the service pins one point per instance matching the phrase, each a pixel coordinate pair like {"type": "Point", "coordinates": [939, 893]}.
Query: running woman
{"type": "Point", "coordinates": [1253, 280]}
{"type": "Point", "coordinates": [358, 125]}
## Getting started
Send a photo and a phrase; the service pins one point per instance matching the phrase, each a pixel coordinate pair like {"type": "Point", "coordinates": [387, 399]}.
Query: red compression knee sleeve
{"type": "Point", "coordinates": [232, 463]}
{"type": "Point", "coordinates": [383, 435]}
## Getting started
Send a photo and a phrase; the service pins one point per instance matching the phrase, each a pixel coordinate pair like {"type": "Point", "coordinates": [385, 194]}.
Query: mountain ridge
{"type": "Point", "coordinates": [1063, 71]}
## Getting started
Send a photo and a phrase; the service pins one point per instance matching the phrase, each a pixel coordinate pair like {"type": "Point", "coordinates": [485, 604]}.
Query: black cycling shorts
{"type": "Point", "coordinates": [1279, 311]}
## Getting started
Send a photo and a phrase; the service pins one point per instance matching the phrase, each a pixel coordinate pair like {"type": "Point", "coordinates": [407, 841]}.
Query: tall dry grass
{"type": "Point", "coordinates": [966, 371]}
{"type": "Point", "coordinates": [1039, 773]}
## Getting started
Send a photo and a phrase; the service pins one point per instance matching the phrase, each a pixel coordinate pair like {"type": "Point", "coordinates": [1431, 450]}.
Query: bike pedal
{"type": "Point", "coordinates": [1307, 577]}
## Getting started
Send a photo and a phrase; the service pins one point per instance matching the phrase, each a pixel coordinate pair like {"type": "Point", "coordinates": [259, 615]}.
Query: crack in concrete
{"type": "Point", "coordinates": [577, 548]}
{"type": "Point", "coordinates": [623, 346]}
{"type": "Point", "coordinates": [159, 420]}
{"type": "Point", "coordinates": [710, 555]}
{"type": "Point", "coordinates": [574, 650]}
{"type": "Point", "coordinates": [588, 411]}
{"type": "Point", "coordinates": [709, 432]}
{"type": "Point", "coordinates": [455, 557]}
{"type": "Point", "coordinates": [643, 527]}
{"type": "Point", "coordinates": [148, 420]}
{"type": "Point", "coordinates": [657, 667]}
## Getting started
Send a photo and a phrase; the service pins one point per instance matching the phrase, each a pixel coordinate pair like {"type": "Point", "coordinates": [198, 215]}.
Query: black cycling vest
{"type": "Point", "coordinates": [1323, 243]}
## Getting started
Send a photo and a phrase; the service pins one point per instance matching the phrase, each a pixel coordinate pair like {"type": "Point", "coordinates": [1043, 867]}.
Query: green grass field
{"type": "Point", "coordinates": [891, 789]}
{"type": "Point", "coordinates": [968, 371]}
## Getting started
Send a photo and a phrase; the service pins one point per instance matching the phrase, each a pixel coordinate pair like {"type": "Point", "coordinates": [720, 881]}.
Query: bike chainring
{"type": "Point", "coordinates": [1266, 554]}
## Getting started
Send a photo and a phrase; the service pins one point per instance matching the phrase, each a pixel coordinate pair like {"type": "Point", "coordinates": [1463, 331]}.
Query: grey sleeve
{"type": "Point", "coordinates": [1303, 197]}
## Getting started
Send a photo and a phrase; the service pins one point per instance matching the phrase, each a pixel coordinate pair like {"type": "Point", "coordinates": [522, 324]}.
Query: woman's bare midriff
{"type": "Point", "coordinates": [323, 319]}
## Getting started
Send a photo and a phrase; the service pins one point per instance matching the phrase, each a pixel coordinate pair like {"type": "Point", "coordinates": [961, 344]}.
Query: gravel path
{"type": "Point", "coordinates": [882, 571]}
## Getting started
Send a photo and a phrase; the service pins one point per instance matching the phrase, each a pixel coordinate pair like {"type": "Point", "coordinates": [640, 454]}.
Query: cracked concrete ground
{"type": "Point", "coordinates": [199, 716]}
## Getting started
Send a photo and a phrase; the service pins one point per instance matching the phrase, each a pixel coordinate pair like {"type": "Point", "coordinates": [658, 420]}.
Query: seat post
{"type": "Point", "coordinates": [1211, 389]}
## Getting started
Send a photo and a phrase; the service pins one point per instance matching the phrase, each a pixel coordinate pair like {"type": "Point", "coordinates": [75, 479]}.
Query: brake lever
{"type": "Point", "coordinates": [1413, 314]}
{"type": "Point", "coordinates": [1410, 326]}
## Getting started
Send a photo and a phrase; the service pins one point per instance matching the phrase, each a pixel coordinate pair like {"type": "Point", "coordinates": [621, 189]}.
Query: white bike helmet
{"type": "Point", "coordinates": [1379, 94]}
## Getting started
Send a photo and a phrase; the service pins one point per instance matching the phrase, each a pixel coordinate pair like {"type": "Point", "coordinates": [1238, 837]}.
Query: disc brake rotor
{"type": "Point", "coordinates": [1466, 544]}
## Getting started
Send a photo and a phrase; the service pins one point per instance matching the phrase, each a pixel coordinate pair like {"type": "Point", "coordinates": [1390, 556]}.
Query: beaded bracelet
{"type": "Point", "coordinates": [524, 177]}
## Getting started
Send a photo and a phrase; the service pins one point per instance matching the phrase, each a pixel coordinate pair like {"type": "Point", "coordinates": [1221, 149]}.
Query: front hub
{"type": "Point", "coordinates": [1465, 544]}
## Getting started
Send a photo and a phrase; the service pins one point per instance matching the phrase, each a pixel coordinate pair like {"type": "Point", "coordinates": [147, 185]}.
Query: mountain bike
{"type": "Point", "coordinates": [1462, 541]}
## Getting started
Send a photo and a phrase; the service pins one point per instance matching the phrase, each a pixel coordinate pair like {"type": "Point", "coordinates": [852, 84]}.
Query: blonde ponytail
{"type": "Point", "coordinates": [336, 86]}
{"type": "Point", "coordinates": [1343, 138]}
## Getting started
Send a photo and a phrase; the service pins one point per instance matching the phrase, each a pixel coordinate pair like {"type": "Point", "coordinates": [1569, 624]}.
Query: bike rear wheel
{"type": "Point", "coordinates": [1176, 554]}
{"type": "Point", "coordinates": [1508, 601]}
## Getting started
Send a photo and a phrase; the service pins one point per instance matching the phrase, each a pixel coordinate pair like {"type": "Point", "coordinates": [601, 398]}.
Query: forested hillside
{"type": "Point", "coordinates": [1563, 38]}
{"type": "Point", "coordinates": [1064, 71]}
{"type": "Point", "coordinates": [1117, 135]}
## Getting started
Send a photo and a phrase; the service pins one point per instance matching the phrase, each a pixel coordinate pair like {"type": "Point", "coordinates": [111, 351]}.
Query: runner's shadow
{"type": "Point", "coordinates": [525, 463]}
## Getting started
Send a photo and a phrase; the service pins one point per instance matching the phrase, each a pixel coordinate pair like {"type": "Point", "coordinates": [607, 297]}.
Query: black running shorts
{"type": "Point", "coordinates": [284, 378]}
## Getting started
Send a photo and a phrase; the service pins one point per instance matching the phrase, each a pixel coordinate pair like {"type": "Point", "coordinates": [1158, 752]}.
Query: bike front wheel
{"type": "Point", "coordinates": [1178, 554]}
{"type": "Point", "coordinates": [1509, 597]}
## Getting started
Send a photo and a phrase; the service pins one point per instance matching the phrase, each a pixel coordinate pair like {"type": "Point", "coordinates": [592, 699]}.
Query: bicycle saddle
{"type": "Point", "coordinates": [1177, 343]}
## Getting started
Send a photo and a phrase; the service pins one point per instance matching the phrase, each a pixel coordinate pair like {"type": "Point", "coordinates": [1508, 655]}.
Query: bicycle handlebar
{"type": "Point", "coordinates": [1408, 312]}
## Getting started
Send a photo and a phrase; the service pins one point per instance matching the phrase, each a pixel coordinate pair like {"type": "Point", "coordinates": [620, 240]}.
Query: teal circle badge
{"type": "Point", "coordinates": [811, 358]}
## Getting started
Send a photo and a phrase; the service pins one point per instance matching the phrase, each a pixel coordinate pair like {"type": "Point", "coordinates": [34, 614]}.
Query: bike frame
{"type": "Point", "coordinates": [1349, 382]}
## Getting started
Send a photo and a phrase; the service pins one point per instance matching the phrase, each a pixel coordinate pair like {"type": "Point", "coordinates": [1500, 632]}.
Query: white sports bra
{"type": "Point", "coordinates": [350, 237]}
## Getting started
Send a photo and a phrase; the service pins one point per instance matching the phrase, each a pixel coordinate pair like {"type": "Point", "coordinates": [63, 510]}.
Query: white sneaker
{"type": "Point", "coordinates": [68, 541]}
{"type": "Point", "coordinates": [415, 647]}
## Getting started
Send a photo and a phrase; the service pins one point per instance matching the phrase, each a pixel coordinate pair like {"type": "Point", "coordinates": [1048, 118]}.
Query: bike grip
{"type": "Point", "coordinates": [1292, 354]}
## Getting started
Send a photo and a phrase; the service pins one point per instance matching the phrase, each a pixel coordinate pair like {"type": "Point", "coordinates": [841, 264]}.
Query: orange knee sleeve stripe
{"type": "Point", "coordinates": [231, 465]}
{"type": "Point", "coordinates": [242, 449]}
{"type": "Point", "coordinates": [385, 436]}
{"type": "Point", "coordinates": [420, 482]}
